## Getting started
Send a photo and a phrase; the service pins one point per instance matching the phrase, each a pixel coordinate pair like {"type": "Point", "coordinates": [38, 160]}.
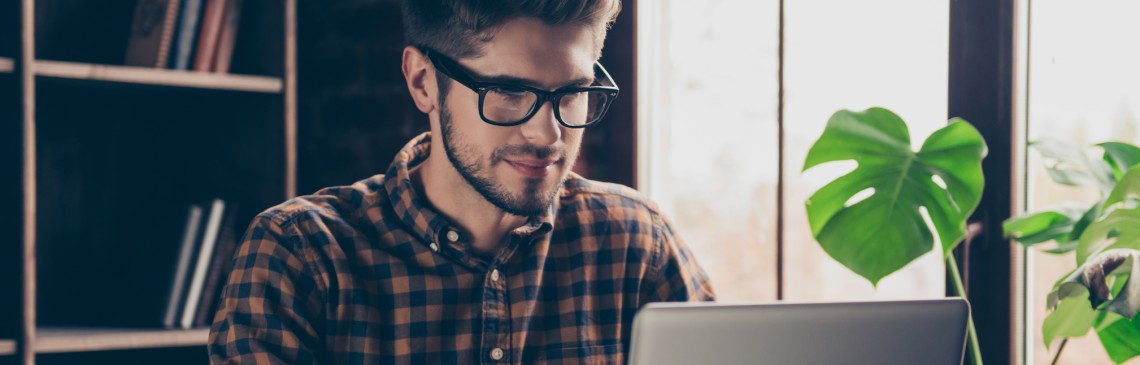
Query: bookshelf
{"type": "Point", "coordinates": [61, 340]}
{"type": "Point", "coordinates": [65, 340]}
{"type": "Point", "coordinates": [158, 77]}
{"type": "Point", "coordinates": [102, 160]}
{"type": "Point", "coordinates": [7, 347]}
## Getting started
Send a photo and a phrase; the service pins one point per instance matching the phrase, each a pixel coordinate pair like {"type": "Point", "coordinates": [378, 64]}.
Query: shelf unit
{"type": "Point", "coordinates": [61, 340]}
{"type": "Point", "coordinates": [102, 158]}
{"type": "Point", "coordinates": [158, 77]}
{"type": "Point", "coordinates": [150, 76]}
{"type": "Point", "coordinates": [52, 340]}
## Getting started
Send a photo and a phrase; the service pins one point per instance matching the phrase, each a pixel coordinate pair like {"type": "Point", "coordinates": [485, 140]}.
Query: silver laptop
{"type": "Point", "coordinates": [855, 333]}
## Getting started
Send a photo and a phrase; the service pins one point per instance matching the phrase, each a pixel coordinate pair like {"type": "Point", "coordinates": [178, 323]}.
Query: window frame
{"type": "Point", "coordinates": [986, 88]}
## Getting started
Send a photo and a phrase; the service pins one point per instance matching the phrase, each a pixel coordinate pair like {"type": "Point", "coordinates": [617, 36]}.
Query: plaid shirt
{"type": "Point", "coordinates": [371, 274]}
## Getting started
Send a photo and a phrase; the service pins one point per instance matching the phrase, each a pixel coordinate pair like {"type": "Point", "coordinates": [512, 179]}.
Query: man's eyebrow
{"type": "Point", "coordinates": [506, 79]}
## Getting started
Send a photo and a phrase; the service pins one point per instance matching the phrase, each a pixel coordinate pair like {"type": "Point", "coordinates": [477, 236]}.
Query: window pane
{"type": "Point", "coordinates": [854, 55]}
{"type": "Point", "coordinates": [708, 128]}
{"type": "Point", "coordinates": [1084, 87]}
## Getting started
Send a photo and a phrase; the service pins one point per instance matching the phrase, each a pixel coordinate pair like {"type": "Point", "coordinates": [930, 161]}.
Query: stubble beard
{"type": "Point", "coordinates": [532, 201]}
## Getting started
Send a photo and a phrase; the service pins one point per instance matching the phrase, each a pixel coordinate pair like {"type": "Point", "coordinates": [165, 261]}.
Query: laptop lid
{"type": "Point", "coordinates": [853, 333]}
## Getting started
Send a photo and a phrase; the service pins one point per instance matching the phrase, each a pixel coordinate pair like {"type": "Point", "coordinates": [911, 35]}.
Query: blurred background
{"type": "Point", "coordinates": [309, 94]}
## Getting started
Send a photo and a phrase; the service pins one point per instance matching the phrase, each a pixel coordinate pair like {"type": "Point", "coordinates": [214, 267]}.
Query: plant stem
{"type": "Point", "coordinates": [1059, 349]}
{"type": "Point", "coordinates": [952, 265]}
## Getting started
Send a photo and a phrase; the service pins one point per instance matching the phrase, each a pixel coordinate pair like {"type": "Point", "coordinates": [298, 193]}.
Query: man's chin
{"type": "Point", "coordinates": [532, 202]}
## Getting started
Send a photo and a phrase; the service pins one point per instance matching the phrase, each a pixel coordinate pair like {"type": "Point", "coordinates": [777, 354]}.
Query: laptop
{"type": "Point", "coordinates": [853, 333]}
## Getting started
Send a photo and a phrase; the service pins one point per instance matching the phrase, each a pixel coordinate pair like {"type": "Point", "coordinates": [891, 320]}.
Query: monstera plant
{"type": "Point", "coordinates": [1103, 292]}
{"type": "Point", "coordinates": [871, 220]}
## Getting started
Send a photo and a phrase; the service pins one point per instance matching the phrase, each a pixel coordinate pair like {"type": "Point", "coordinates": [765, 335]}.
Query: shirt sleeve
{"type": "Point", "coordinates": [271, 304]}
{"type": "Point", "coordinates": [675, 275]}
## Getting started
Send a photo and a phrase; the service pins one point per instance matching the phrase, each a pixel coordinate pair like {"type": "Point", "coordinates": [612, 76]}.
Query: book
{"type": "Point", "coordinates": [208, 35]}
{"type": "Point", "coordinates": [184, 35]}
{"type": "Point", "coordinates": [190, 238]}
{"type": "Point", "coordinates": [220, 266]}
{"type": "Point", "coordinates": [202, 263]}
{"type": "Point", "coordinates": [227, 37]}
{"type": "Point", "coordinates": [152, 31]}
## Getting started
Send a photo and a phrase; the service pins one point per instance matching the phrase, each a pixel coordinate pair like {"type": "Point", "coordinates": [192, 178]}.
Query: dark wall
{"type": "Point", "coordinates": [355, 112]}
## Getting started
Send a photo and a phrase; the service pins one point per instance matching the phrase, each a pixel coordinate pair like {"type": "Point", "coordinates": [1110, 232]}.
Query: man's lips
{"type": "Point", "coordinates": [532, 168]}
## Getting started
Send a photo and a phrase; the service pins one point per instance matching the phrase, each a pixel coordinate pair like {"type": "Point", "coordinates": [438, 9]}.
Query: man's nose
{"type": "Point", "coordinates": [542, 129]}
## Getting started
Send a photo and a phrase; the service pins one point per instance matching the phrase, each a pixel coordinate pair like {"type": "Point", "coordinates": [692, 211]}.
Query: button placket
{"type": "Point", "coordinates": [499, 315]}
{"type": "Point", "coordinates": [496, 309]}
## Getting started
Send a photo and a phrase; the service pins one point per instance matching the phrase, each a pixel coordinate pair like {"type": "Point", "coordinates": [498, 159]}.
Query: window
{"type": "Point", "coordinates": [711, 107]}
{"type": "Point", "coordinates": [709, 74]}
{"type": "Point", "coordinates": [855, 55]}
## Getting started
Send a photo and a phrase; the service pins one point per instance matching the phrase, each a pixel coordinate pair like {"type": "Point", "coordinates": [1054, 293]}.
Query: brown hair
{"type": "Point", "coordinates": [458, 28]}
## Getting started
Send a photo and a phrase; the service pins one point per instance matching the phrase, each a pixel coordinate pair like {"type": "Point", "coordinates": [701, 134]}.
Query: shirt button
{"type": "Point", "coordinates": [452, 236]}
{"type": "Point", "coordinates": [495, 275]}
{"type": "Point", "coordinates": [496, 354]}
{"type": "Point", "coordinates": [434, 246]}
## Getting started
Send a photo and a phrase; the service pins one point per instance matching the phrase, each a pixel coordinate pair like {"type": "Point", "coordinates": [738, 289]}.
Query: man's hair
{"type": "Point", "coordinates": [458, 28]}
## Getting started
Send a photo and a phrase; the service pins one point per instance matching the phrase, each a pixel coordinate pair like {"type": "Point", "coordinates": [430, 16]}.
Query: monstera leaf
{"type": "Point", "coordinates": [1069, 165]}
{"type": "Point", "coordinates": [1120, 157]}
{"type": "Point", "coordinates": [1119, 223]}
{"type": "Point", "coordinates": [1050, 225]}
{"type": "Point", "coordinates": [1105, 282]}
{"type": "Point", "coordinates": [1071, 317]}
{"type": "Point", "coordinates": [1103, 293]}
{"type": "Point", "coordinates": [885, 231]}
{"type": "Point", "coordinates": [1118, 336]}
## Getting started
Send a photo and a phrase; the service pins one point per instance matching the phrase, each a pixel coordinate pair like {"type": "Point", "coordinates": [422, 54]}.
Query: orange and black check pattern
{"type": "Point", "coordinates": [371, 274]}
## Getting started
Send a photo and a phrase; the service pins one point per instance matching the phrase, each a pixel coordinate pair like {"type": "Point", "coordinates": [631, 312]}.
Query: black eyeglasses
{"type": "Point", "coordinates": [508, 105]}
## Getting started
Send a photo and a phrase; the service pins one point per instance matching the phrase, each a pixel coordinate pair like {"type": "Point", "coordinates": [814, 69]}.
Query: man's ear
{"type": "Point", "coordinates": [418, 73]}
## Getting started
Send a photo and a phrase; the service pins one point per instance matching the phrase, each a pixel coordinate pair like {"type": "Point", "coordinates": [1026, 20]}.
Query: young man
{"type": "Point", "coordinates": [478, 245]}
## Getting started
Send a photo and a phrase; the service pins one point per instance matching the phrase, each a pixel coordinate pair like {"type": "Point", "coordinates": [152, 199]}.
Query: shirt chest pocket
{"type": "Point", "coordinates": [591, 355]}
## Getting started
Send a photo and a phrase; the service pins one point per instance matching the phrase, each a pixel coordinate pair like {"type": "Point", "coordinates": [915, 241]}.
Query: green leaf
{"type": "Point", "coordinates": [1120, 156]}
{"type": "Point", "coordinates": [884, 232]}
{"type": "Point", "coordinates": [1072, 317]}
{"type": "Point", "coordinates": [1119, 224]}
{"type": "Point", "coordinates": [1062, 248]}
{"type": "Point", "coordinates": [1119, 227]}
{"type": "Point", "coordinates": [1062, 224]}
{"type": "Point", "coordinates": [1083, 224]}
{"type": "Point", "coordinates": [1124, 292]}
{"type": "Point", "coordinates": [1127, 189]}
{"type": "Point", "coordinates": [1041, 226]}
{"type": "Point", "coordinates": [1119, 336]}
{"type": "Point", "coordinates": [1069, 165]}
{"type": "Point", "coordinates": [1106, 282]}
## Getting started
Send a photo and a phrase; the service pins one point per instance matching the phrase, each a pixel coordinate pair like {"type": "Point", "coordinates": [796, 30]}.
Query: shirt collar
{"type": "Point", "coordinates": [417, 214]}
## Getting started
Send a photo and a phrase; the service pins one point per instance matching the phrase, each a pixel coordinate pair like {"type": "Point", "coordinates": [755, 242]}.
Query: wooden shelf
{"type": "Point", "coordinates": [61, 340]}
{"type": "Point", "coordinates": [83, 114]}
{"type": "Point", "coordinates": [158, 77]}
{"type": "Point", "coordinates": [7, 347]}
{"type": "Point", "coordinates": [6, 65]}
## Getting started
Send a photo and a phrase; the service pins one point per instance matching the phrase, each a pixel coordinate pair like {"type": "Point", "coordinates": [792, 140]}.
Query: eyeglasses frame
{"type": "Point", "coordinates": [460, 74]}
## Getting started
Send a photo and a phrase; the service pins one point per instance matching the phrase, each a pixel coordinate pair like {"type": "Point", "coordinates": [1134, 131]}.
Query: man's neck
{"type": "Point", "coordinates": [453, 197]}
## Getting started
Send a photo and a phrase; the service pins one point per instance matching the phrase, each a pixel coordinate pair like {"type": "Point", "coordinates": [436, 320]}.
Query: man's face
{"type": "Point", "coordinates": [519, 169]}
